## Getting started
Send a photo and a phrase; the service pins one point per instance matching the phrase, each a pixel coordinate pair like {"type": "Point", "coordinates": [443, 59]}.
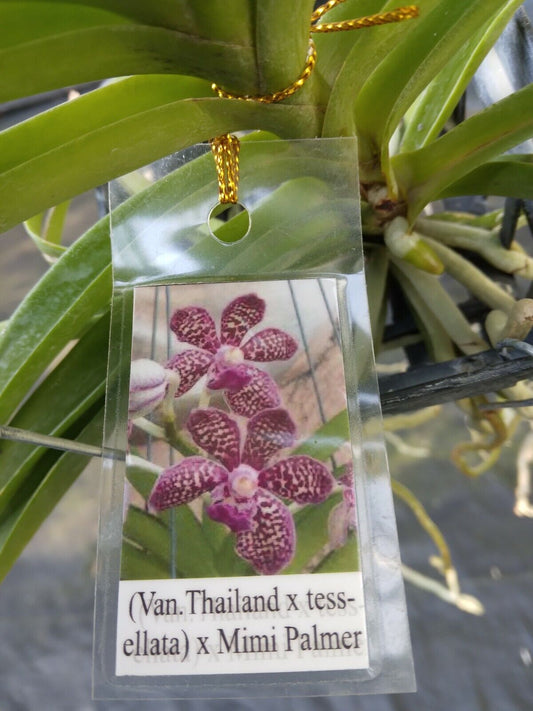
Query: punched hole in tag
{"type": "Point", "coordinates": [229, 223]}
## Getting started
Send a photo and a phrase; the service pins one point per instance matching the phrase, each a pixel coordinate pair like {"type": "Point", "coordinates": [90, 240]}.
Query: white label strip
{"type": "Point", "coordinates": [279, 623]}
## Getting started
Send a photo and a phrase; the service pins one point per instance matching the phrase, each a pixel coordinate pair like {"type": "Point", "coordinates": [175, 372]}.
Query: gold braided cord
{"type": "Point", "coordinates": [401, 13]}
{"type": "Point", "coordinates": [277, 95]}
{"type": "Point", "coordinates": [326, 7]}
{"type": "Point", "coordinates": [226, 148]}
{"type": "Point", "coordinates": [225, 151]}
{"type": "Point", "coordinates": [398, 15]}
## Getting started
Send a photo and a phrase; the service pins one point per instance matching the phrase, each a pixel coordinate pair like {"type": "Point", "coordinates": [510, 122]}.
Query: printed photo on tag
{"type": "Point", "coordinates": [240, 549]}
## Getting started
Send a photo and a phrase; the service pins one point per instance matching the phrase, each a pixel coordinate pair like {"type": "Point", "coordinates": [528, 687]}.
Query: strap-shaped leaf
{"type": "Point", "coordinates": [39, 40]}
{"type": "Point", "coordinates": [73, 387]}
{"type": "Point", "coordinates": [281, 41]}
{"type": "Point", "coordinates": [424, 174]}
{"type": "Point", "coordinates": [333, 49]}
{"type": "Point", "coordinates": [48, 483]}
{"type": "Point", "coordinates": [509, 176]}
{"type": "Point", "coordinates": [371, 47]}
{"type": "Point", "coordinates": [59, 309]}
{"type": "Point", "coordinates": [435, 105]}
{"type": "Point", "coordinates": [433, 40]}
{"type": "Point", "coordinates": [118, 128]}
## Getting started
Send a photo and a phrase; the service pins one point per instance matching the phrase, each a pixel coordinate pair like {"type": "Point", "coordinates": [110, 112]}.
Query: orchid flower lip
{"type": "Point", "coordinates": [243, 481]}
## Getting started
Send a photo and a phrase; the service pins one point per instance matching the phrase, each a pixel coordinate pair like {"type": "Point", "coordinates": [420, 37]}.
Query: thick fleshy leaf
{"type": "Point", "coordinates": [509, 176]}
{"type": "Point", "coordinates": [119, 127]}
{"type": "Point", "coordinates": [268, 345]}
{"type": "Point", "coordinates": [435, 105]}
{"type": "Point", "coordinates": [370, 48]}
{"type": "Point", "coordinates": [269, 546]}
{"type": "Point", "coordinates": [40, 35]}
{"type": "Point", "coordinates": [194, 325]}
{"type": "Point", "coordinates": [239, 316]}
{"type": "Point", "coordinates": [268, 432]}
{"type": "Point", "coordinates": [185, 481]}
{"type": "Point", "coordinates": [424, 174]}
{"type": "Point", "coordinates": [59, 309]}
{"type": "Point", "coordinates": [300, 478]}
{"type": "Point", "coordinates": [217, 433]}
{"type": "Point", "coordinates": [50, 478]}
{"type": "Point", "coordinates": [190, 365]}
{"type": "Point", "coordinates": [433, 39]}
{"type": "Point", "coordinates": [261, 393]}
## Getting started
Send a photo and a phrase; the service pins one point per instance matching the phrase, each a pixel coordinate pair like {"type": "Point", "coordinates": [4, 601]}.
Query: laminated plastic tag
{"type": "Point", "coordinates": [248, 543]}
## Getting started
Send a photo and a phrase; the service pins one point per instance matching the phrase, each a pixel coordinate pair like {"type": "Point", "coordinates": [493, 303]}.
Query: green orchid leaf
{"type": "Point", "coordinates": [432, 40]}
{"type": "Point", "coordinates": [50, 479]}
{"type": "Point", "coordinates": [69, 391]}
{"type": "Point", "coordinates": [46, 231]}
{"type": "Point", "coordinates": [194, 555]}
{"type": "Point", "coordinates": [137, 564]}
{"type": "Point", "coordinates": [371, 47]}
{"type": "Point", "coordinates": [141, 474]}
{"type": "Point", "coordinates": [424, 174]}
{"type": "Point", "coordinates": [326, 440]}
{"type": "Point", "coordinates": [509, 176]}
{"type": "Point", "coordinates": [312, 534]}
{"type": "Point", "coordinates": [37, 37]}
{"type": "Point", "coordinates": [434, 106]}
{"type": "Point", "coordinates": [147, 532]}
{"type": "Point", "coordinates": [60, 308]}
{"type": "Point", "coordinates": [215, 534]}
{"type": "Point", "coordinates": [376, 272]}
{"type": "Point", "coordinates": [281, 40]}
{"type": "Point", "coordinates": [120, 127]}
{"type": "Point", "coordinates": [333, 49]}
{"type": "Point", "coordinates": [201, 19]}
{"type": "Point", "coordinates": [229, 563]}
{"type": "Point", "coordinates": [341, 559]}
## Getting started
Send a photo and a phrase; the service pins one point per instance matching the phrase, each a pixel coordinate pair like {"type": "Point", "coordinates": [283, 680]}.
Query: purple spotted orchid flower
{"type": "Point", "coordinates": [248, 389]}
{"type": "Point", "coordinates": [245, 489]}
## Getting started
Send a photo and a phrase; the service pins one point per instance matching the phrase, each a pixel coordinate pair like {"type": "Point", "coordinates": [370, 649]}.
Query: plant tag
{"type": "Point", "coordinates": [248, 536]}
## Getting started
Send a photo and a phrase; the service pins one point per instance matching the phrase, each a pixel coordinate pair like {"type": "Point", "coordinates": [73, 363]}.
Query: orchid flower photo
{"type": "Point", "coordinates": [238, 435]}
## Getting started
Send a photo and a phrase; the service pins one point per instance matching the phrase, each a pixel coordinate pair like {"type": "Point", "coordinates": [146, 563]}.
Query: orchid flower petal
{"type": "Point", "coordinates": [268, 432]}
{"type": "Point", "coordinates": [268, 345]}
{"type": "Point", "coordinates": [191, 365]}
{"type": "Point", "coordinates": [261, 393]}
{"type": "Point", "coordinates": [269, 545]}
{"type": "Point", "coordinates": [185, 481]}
{"type": "Point", "coordinates": [299, 478]}
{"type": "Point", "coordinates": [239, 316]}
{"type": "Point", "coordinates": [195, 326]}
{"type": "Point", "coordinates": [217, 433]}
